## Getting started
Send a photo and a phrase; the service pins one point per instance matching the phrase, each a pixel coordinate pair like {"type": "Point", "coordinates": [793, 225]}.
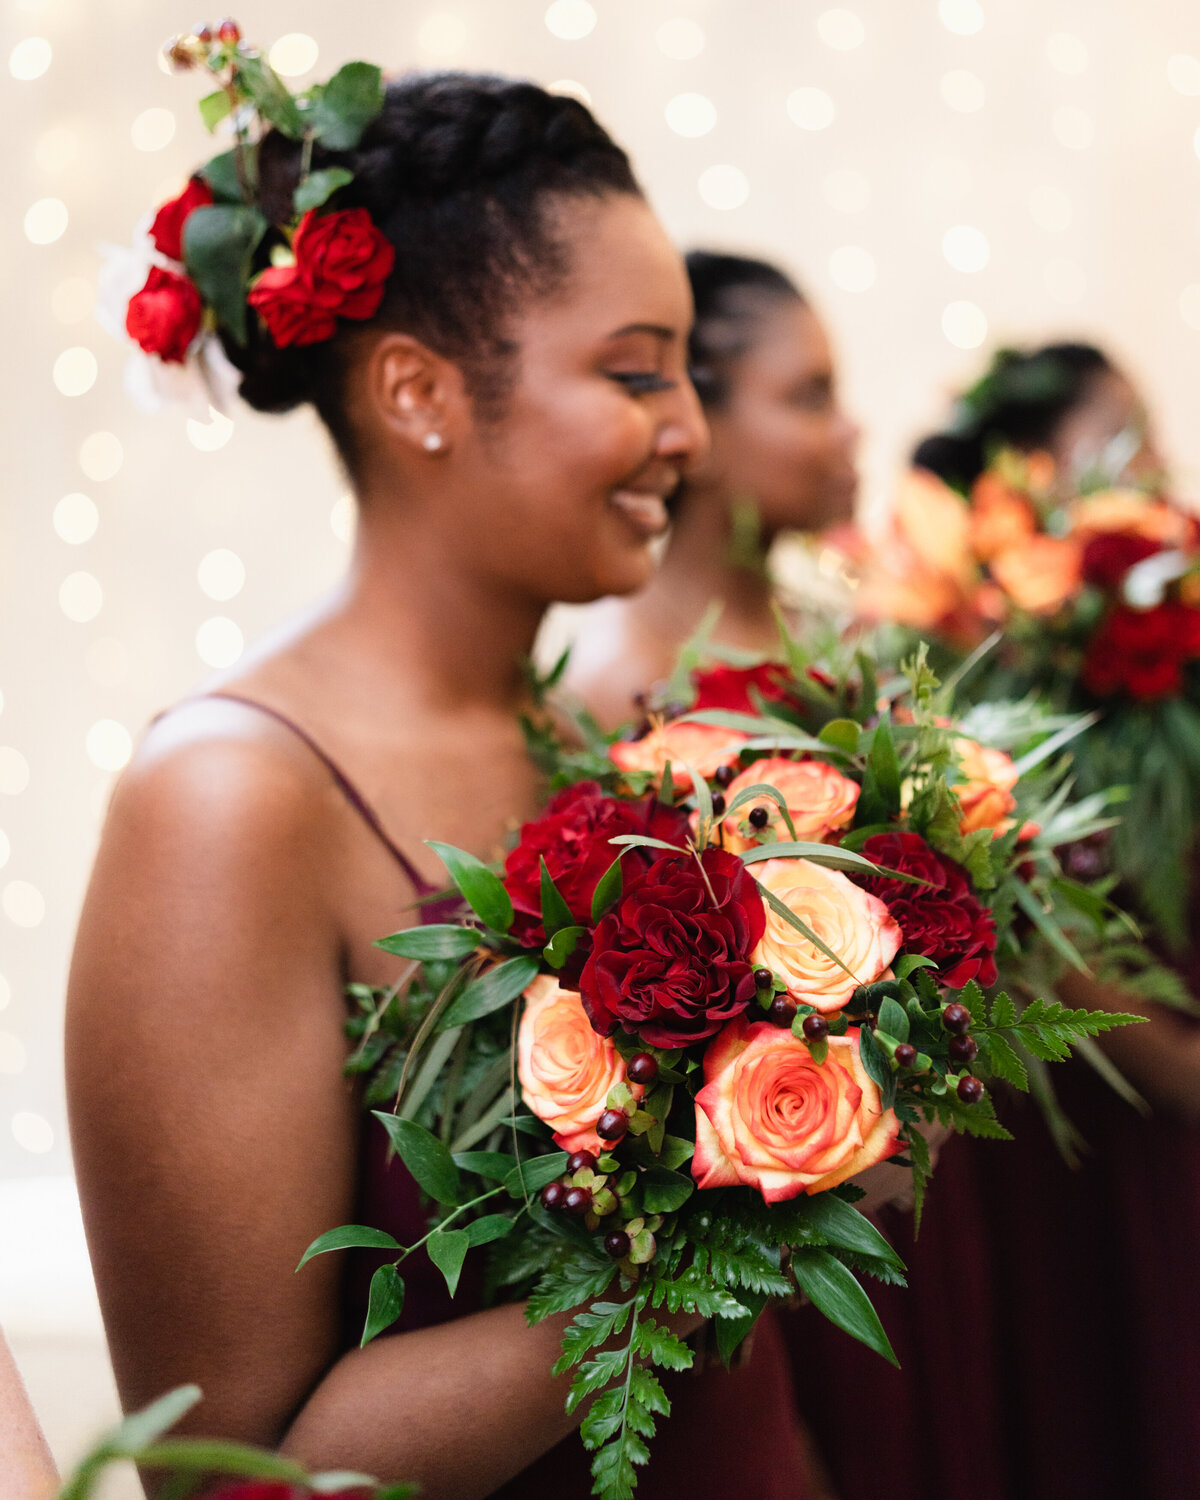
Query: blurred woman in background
{"type": "Point", "coordinates": [781, 459]}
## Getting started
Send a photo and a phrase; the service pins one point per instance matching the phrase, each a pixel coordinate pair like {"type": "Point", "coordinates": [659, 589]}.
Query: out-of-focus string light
{"type": "Point", "coordinates": [963, 17]}
{"type": "Point", "coordinates": [962, 90]}
{"type": "Point", "coordinates": [293, 54]}
{"type": "Point", "coordinates": [1067, 53]}
{"type": "Point", "coordinates": [75, 371]}
{"type": "Point", "coordinates": [966, 248]}
{"type": "Point", "coordinates": [219, 642]}
{"type": "Point", "coordinates": [101, 456]}
{"type": "Point", "coordinates": [1183, 74]}
{"type": "Point", "coordinates": [570, 20]}
{"type": "Point", "coordinates": [152, 130]}
{"type": "Point", "coordinates": [442, 35]}
{"type": "Point", "coordinates": [811, 109]}
{"type": "Point", "coordinates": [221, 574]}
{"type": "Point", "coordinates": [109, 745]}
{"type": "Point", "coordinates": [680, 38]}
{"type": "Point", "coordinates": [691, 114]}
{"type": "Point", "coordinates": [846, 190]}
{"type": "Point", "coordinates": [841, 29]}
{"type": "Point", "coordinates": [852, 268]}
{"type": "Point", "coordinates": [14, 771]}
{"type": "Point", "coordinates": [964, 324]}
{"type": "Point", "coordinates": [30, 58]}
{"type": "Point", "coordinates": [1050, 208]}
{"type": "Point", "coordinates": [80, 597]}
{"type": "Point", "coordinates": [32, 1131]}
{"type": "Point", "coordinates": [46, 221]}
{"type": "Point", "coordinates": [1073, 127]}
{"type": "Point", "coordinates": [76, 518]}
{"type": "Point", "coordinates": [724, 187]}
{"type": "Point", "coordinates": [211, 435]}
{"type": "Point", "coordinates": [342, 518]}
{"type": "Point", "coordinates": [24, 905]}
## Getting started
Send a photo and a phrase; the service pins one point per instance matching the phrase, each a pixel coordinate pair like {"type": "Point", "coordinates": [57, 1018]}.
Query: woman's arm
{"type": "Point", "coordinates": [215, 1138]}
{"type": "Point", "coordinates": [27, 1471]}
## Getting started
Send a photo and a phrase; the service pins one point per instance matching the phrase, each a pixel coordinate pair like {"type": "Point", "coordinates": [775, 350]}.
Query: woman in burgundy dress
{"type": "Point", "coordinates": [513, 418]}
{"type": "Point", "coordinates": [1049, 1335]}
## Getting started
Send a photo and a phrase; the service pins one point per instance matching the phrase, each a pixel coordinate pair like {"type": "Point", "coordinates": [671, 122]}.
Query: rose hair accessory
{"type": "Point", "coordinates": [209, 259]}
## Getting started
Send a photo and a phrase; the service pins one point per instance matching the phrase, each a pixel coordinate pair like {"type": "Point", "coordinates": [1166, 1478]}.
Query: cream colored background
{"type": "Point", "coordinates": [1077, 162]}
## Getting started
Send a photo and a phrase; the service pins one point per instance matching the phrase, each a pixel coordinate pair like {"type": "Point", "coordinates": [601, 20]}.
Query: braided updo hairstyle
{"type": "Point", "coordinates": [732, 293]}
{"type": "Point", "coordinates": [1019, 403]}
{"type": "Point", "coordinates": [460, 172]}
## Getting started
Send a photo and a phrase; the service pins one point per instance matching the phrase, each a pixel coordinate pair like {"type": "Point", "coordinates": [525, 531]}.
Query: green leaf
{"type": "Point", "coordinates": [318, 187]}
{"type": "Point", "coordinates": [490, 1227]}
{"type": "Point", "coordinates": [675, 1150]}
{"type": "Point", "coordinates": [731, 1332]}
{"type": "Point", "coordinates": [845, 1228]}
{"type": "Point", "coordinates": [221, 174]}
{"type": "Point", "coordinates": [833, 1291]}
{"type": "Point", "coordinates": [425, 1157]}
{"type": "Point", "coordinates": [909, 963]}
{"type": "Point", "coordinates": [818, 854]}
{"type": "Point", "coordinates": [348, 103]}
{"type": "Point", "coordinates": [490, 992]}
{"type": "Point", "coordinates": [886, 766]}
{"type": "Point", "coordinates": [349, 1237]}
{"type": "Point", "coordinates": [481, 888]}
{"type": "Point", "coordinates": [578, 1280]}
{"type": "Point", "coordinates": [555, 911]}
{"type": "Point", "coordinates": [385, 1304]}
{"type": "Point", "coordinates": [152, 1421]}
{"type": "Point", "coordinates": [644, 841]}
{"type": "Point", "coordinates": [438, 940]}
{"type": "Point", "coordinates": [447, 1250]}
{"type": "Point", "coordinates": [562, 945]}
{"type": "Point", "coordinates": [893, 1019]}
{"type": "Point", "coordinates": [334, 1481]}
{"type": "Point", "coordinates": [762, 791]}
{"type": "Point", "coordinates": [219, 242]}
{"type": "Point", "coordinates": [532, 1176]}
{"type": "Point", "coordinates": [214, 108]}
{"type": "Point", "coordinates": [495, 1165]}
{"type": "Point", "coordinates": [842, 734]}
{"type": "Point", "coordinates": [875, 1061]}
{"type": "Point", "coordinates": [608, 889]}
{"type": "Point", "coordinates": [589, 1328]}
{"type": "Point", "coordinates": [664, 1191]}
{"type": "Point", "coordinates": [214, 1456]}
{"type": "Point", "coordinates": [660, 1345]}
{"type": "Point", "coordinates": [270, 94]}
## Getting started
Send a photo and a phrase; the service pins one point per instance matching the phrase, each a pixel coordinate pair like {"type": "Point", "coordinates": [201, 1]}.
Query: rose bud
{"type": "Point", "coordinates": [229, 31]}
{"type": "Point", "coordinates": [554, 1196]}
{"type": "Point", "coordinates": [956, 1018]}
{"type": "Point", "coordinates": [202, 31]}
{"type": "Point", "coordinates": [962, 1049]}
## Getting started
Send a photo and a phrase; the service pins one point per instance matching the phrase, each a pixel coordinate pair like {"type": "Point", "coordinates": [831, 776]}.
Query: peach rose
{"type": "Point", "coordinates": [1000, 518]}
{"type": "Point", "coordinates": [704, 747]}
{"type": "Point", "coordinates": [770, 1117]}
{"type": "Point", "coordinates": [985, 791]}
{"type": "Point", "coordinates": [1132, 511]}
{"type": "Point", "coordinates": [1040, 573]}
{"type": "Point", "coordinates": [934, 521]}
{"type": "Point", "coordinates": [858, 927]}
{"type": "Point", "coordinates": [819, 799]}
{"type": "Point", "coordinates": [566, 1069]}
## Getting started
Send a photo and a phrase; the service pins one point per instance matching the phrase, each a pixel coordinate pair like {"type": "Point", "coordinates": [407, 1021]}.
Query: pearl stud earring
{"type": "Point", "coordinates": [431, 442]}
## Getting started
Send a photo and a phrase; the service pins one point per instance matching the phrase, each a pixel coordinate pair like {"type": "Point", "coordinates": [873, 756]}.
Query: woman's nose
{"type": "Point", "coordinates": [684, 436]}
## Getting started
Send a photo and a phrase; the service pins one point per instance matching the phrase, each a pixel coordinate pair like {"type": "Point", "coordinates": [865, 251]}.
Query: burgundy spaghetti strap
{"type": "Point", "coordinates": [347, 788]}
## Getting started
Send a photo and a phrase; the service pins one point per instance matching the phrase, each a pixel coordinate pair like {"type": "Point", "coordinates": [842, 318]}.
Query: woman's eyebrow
{"type": "Point", "coordinates": [656, 330]}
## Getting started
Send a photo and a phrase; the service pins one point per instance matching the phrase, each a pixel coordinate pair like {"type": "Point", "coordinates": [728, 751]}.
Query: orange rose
{"type": "Point", "coordinates": [1132, 511]}
{"type": "Point", "coordinates": [566, 1069]}
{"type": "Point", "coordinates": [819, 799]}
{"type": "Point", "coordinates": [934, 522]}
{"type": "Point", "coordinates": [1040, 573]}
{"type": "Point", "coordinates": [985, 792]}
{"type": "Point", "coordinates": [704, 747]}
{"type": "Point", "coordinates": [770, 1117]}
{"type": "Point", "coordinates": [1001, 517]}
{"type": "Point", "coordinates": [858, 927]}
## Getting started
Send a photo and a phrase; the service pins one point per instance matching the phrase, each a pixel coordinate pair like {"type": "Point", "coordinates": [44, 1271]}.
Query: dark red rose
{"type": "Point", "coordinates": [728, 688]}
{"type": "Point", "coordinates": [342, 263]}
{"type": "Point", "coordinates": [165, 316]}
{"type": "Point", "coordinates": [1142, 651]}
{"type": "Point", "coordinates": [1108, 557]}
{"type": "Point", "coordinates": [669, 962]}
{"type": "Point", "coordinates": [942, 920]}
{"type": "Point", "coordinates": [167, 229]}
{"type": "Point", "coordinates": [573, 836]}
{"type": "Point", "coordinates": [284, 301]}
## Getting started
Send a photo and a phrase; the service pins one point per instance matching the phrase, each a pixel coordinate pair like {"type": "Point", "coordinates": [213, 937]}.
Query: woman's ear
{"type": "Point", "coordinates": [417, 397]}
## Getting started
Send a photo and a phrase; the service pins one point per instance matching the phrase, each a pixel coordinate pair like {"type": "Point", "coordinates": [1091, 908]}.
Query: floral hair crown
{"type": "Point", "coordinates": [196, 268]}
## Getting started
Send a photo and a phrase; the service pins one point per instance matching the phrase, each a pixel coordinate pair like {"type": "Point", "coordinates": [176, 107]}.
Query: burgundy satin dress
{"type": "Point", "coordinates": [729, 1434]}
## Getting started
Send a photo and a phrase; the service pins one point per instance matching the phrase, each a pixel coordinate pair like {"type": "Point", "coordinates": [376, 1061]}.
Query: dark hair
{"type": "Point", "coordinates": [458, 171]}
{"type": "Point", "coordinates": [1020, 403]}
{"type": "Point", "coordinates": [731, 293]}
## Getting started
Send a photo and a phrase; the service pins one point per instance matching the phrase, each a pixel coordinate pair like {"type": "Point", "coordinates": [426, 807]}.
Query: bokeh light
{"type": "Point", "coordinates": [343, 518]}
{"type": "Point", "coordinates": [1183, 74]}
{"type": "Point", "coordinates": [680, 38]}
{"type": "Point", "coordinates": [101, 456]}
{"type": "Point", "coordinates": [724, 187]}
{"type": "Point", "coordinates": [14, 771]}
{"type": "Point", "coordinates": [963, 17]}
{"type": "Point", "coordinates": [221, 574]}
{"type": "Point", "coordinates": [76, 518]}
{"type": "Point", "coordinates": [219, 642]}
{"type": "Point", "coordinates": [841, 29]}
{"type": "Point", "coordinates": [1067, 53]}
{"type": "Point", "coordinates": [30, 58]}
{"type": "Point", "coordinates": [691, 114]}
{"type": "Point", "coordinates": [811, 109]}
{"type": "Point", "coordinates": [966, 248]}
{"type": "Point", "coordinates": [852, 268]}
{"type": "Point", "coordinates": [109, 745]}
{"type": "Point", "coordinates": [570, 20]}
{"type": "Point", "coordinates": [33, 1132]}
{"type": "Point", "coordinates": [964, 324]}
{"type": "Point", "coordinates": [211, 435]}
{"type": "Point", "coordinates": [293, 54]}
{"type": "Point", "coordinates": [153, 129]}
{"type": "Point", "coordinates": [46, 221]}
{"type": "Point", "coordinates": [80, 597]}
{"type": "Point", "coordinates": [75, 371]}
{"type": "Point", "coordinates": [23, 904]}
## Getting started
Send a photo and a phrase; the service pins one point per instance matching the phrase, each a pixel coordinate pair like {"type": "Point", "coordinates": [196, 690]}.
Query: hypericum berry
{"type": "Point", "coordinates": [956, 1018]}
{"type": "Point", "coordinates": [617, 1244]}
{"type": "Point", "coordinates": [758, 817]}
{"type": "Point", "coordinates": [577, 1200]}
{"type": "Point", "coordinates": [642, 1068]}
{"type": "Point", "coordinates": [578, 1161]}
{"type": "Point", "coordinates": [816, 1027]}
{"type": "Point", "coordinates": [962, 1049]}
{"type": "Point", "coordinates": [229, 31]}
{"type": "Point", "coordinates": [970, 1090]}
{"type": "Point", "coordinates": [905, 1055]}
{"type": "Point", "coordinates": [554, 1195]}
{"type": "Point", "coordinates": [718, 804]}
{"type": "Point", "coordinates": [723, 775]}
{"type": "Point", "coordinates": [763, 979]}
{"type": "Point", "coordinates": [612, 1125]}
{"type": "Point", "coordinates": [781, 1011]}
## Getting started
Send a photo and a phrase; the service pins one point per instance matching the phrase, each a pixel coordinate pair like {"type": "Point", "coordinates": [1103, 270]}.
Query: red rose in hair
{"type": "Point", "coordinates": [941, 920]}
{"type": "Point", "coordinates": [284, 301]}
{"type": "Point", "coordinates": [342, 263]}
{"type": "Point", "coordinates": [1110, 555]}
{"type": "Point", "coordinates": [167, 229]}
{"type": "Point", "coordinates": [1142, 651]}
{"type": "Point", "coordinates": [572, 836]}
{"type": "Point", "coordinates": [165, 316]}
{"type": "Point", "coordinates": [670, 962]}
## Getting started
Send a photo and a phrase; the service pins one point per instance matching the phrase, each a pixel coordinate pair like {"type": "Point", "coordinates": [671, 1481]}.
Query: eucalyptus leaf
{"type": "Point", "coordinates": [385, 1303]}
{"type": "Point", "coordinates": [482, 888]}
{"type": "Point", "coordinates": [349, 1237]}
{"type": "Point", "coordinates": [820, 854]}
{"type": "Point", "coordinates": [425, 1156]}
{"type": "Point", "coordinates": [447, 1250]}
{"type": "Point", "coordinates": [490, 992]}
{"type": "Point", "coordinates": [219, 241]}
{"type": "Point", "coordinates": [803, 929]}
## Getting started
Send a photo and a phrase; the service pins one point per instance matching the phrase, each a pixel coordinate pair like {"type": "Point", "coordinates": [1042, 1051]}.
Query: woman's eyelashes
{"type": "Point", "coordinates": [642, 382]}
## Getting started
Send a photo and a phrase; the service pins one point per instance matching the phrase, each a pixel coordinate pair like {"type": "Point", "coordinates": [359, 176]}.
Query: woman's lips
{"type": "Point", "coordinates": [645, 511]}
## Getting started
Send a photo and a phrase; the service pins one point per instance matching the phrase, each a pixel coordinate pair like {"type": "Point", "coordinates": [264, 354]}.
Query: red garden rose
{"type": "Point", "coordinates": [573, 837]}
{"type": "Point", "coordinates": [670, 962]}
{"type": "Point", "coordinates": [284, 301]}
{"type": "Point", "coordinates": [1108, 556]}
{"type": "Point", "coordinates": [342, 263]}
{"type": "Point", "coordinates": [165, 316]}
{"type": "Point", "coordinates": [942, 919]}
{"type": "Point", "coordinates": [728, 688]}
{"type": "Point", "coordinates": [1142, 651]}
{"type": "Point", "coordinates": [167, 229]}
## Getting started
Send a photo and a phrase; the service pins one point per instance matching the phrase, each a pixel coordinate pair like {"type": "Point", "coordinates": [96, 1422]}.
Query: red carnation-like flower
{"type": "Point", "coordinates": [165, 316]}
{"type": "Point", "coordinates": [728, 688]}
{"type": "Point", "coordinates": [342, 263]}
{"type": "Point", "coordinates": [670, 962]}
{"type": "Point", "coordinates": [1110, 555]}
{"type": "Point", "coordinates": [573, 837]}
{"type": "Point", "coordinates": [1142, 651]}
{"type": "Point", "coordinates": [167, 229]}
{"type": "Point", "coordinates": [942, 919]}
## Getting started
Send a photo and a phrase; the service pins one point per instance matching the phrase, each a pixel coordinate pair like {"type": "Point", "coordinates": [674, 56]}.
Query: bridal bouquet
{"type": "Point", "coordinates": [1098, 596]}
{"type": "Point", "coordinates": [739, 962]}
